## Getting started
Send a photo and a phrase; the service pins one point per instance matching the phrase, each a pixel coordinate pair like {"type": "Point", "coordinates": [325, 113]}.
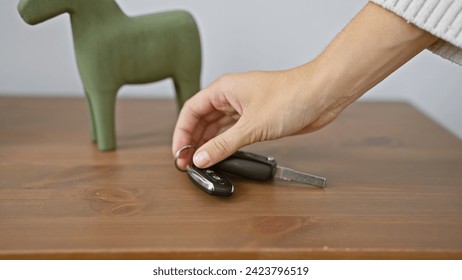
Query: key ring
{"type": "Point", "coordinates": [177, 155]}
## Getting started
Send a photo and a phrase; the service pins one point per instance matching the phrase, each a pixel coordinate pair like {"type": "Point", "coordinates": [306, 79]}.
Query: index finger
{"type": "Point", "coordinates": [189, 119]}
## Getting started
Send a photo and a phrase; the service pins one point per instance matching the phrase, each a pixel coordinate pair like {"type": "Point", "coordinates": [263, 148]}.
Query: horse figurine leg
{"type": "Point", "coordinates": [185, 87]}
{"type": "Point", "coordinates": [102, 112]}
{"type": "Point", "coordinates": [187, 76]}
{"type": "Point", "coordinates": [92, 118]}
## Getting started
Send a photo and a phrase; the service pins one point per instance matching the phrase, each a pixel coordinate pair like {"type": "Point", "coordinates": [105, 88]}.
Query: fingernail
{"type": "Point", "coordinates": [201, 158]}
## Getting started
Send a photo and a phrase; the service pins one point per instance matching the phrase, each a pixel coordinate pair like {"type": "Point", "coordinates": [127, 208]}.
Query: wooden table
{"type": "Point", "coordinates": [394, 189]}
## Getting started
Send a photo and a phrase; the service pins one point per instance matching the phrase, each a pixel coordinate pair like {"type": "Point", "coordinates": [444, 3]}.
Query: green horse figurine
{"type": "Point", "coordinates": [113, 49]}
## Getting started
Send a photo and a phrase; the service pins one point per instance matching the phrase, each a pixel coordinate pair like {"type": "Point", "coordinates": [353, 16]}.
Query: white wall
{"type": "Point", "coordinates": [236, 36]}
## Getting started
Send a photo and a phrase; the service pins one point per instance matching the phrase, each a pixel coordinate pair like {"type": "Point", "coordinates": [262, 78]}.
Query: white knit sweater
{"type": "Point", "coordinates": [442, 18]}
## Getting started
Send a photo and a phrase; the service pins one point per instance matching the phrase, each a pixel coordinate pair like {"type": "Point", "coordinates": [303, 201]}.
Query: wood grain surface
{"type": "Point", "coordinates": [394, 189]}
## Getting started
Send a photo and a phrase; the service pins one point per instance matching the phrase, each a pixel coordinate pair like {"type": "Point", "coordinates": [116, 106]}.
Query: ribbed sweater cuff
{"type": "Point", "coordinates": [442, 18]}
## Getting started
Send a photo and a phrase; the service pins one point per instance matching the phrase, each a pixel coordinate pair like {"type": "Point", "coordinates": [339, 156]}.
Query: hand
{"type": "Point", "coordinates": [256, 106]}
{"type": "Point", "coordinates": [240, 109]}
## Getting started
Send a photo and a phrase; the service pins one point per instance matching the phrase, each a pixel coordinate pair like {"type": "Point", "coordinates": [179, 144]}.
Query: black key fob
{"type": "Point", "coordinates": [211, 181]}
{"type": "Point", "coordinates": [248, 165]}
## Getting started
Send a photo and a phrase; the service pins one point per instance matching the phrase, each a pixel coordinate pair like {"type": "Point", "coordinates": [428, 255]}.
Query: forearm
{"type": "Point", "coordinates": [372, 46]}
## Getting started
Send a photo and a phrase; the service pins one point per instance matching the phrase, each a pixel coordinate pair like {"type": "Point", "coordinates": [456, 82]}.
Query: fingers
{"type": "Point", "coordinates": [190, 121]}
{"type": "Point", "coordinates": [209, 131]}
{"type": "Point", "coordinates": [202, 117]}
{"type": "Point", "coordinates": [222, 146]}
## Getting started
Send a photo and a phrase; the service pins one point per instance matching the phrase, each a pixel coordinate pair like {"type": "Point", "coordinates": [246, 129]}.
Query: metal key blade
{"type": "Point", "coordinates": [288, 174]}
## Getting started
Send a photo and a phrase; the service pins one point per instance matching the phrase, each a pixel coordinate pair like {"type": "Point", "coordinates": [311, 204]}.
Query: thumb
{"type": "Point", "coordinates": [221, 147]}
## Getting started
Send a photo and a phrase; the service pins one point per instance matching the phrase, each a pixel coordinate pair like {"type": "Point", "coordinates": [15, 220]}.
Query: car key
{"type": "Point", "coordinates": [261, 168]}
{"type": "Point", "coordinates": [211, 181]}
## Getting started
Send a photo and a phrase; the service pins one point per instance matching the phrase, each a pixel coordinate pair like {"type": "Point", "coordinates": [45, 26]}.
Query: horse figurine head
{"type": "Point", "coordinates": [37, 11]}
